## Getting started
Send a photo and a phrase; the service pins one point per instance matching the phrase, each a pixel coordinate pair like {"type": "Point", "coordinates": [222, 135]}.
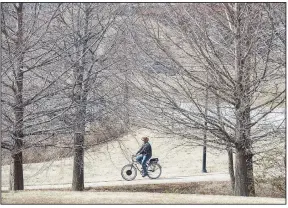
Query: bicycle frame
{"type": "Point", "coordinates": [135, 164]}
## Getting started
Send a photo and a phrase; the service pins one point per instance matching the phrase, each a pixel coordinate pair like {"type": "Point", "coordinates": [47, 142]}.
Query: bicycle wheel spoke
{"type": "Point", "coordinates": [154, 170]}
{"type": "Point", "coordinates": [129, 172]}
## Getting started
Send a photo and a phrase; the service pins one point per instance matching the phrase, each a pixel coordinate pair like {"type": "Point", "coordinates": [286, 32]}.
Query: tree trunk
{"type": "Point", "coordinates": [247, 98]}
{"type": "Point", "coordinates": [205, 130]}
{"type": "Point", "coordinates": [231, 168]}
{"type": "Point", "coordinates": [81, 93]}
{"type": "Point", "coordinates": [250, 175]}
{"type": "Point", "coordinates": [78, 167]}
{"type": "Point", "coordinates": [285, 156]}
{"type": "Point", "coordinates": [241, 177]}
{"type": "Point", "coordinates": [16, 169]}
{"type": "Point", "coordinates": [244, 180]}
{"type": "Point", "coordinates": [79, 131]}
{"type": "Point", "coordinates": [244, 157]}
{"type": "Point", "coordinates": [126, 103]}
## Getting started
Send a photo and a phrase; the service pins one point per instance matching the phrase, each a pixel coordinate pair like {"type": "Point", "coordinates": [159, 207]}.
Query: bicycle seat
{"type": "Point", "coordinates": [154, 160]}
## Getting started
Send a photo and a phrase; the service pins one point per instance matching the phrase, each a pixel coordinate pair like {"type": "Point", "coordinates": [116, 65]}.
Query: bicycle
{"type": "Point", "coordinates": [154, 169]}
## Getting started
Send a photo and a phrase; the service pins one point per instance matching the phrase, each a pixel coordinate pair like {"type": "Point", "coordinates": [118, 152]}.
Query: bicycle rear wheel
{"type": "Point", "coordinates": [154, 170]}
{"type": "Point", "coordinates": [129, 172]}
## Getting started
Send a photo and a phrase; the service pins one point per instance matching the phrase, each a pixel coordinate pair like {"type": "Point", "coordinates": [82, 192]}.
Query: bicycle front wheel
{"type": "Point", "coordinates": [154, 170]}
{"type": "Point", "coordinates": [129, 172]}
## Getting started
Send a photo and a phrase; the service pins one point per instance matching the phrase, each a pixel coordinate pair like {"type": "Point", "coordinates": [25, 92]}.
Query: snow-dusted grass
{"type": "Point", "coordinates": [104, 162]}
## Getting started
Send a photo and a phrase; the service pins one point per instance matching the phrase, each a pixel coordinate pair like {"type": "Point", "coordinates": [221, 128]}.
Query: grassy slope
{"type": "Point", "coordinates": [104, 163]}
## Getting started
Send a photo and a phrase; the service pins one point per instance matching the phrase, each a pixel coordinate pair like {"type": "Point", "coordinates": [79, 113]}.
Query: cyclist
{"type": "Point", "coordinates": [145, 153]}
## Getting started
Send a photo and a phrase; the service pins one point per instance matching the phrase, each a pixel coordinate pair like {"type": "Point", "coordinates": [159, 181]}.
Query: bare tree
{"type": "Point", "coordinates": [27, 56]}
{"type": "Point", "coordinates": [236, 45]}
{"type": "Point", "coordinates": [89, 28]}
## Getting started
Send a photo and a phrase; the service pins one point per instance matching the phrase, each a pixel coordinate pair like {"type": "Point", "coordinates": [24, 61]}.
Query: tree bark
{"type": "Point", "coordinates": [250, 175]}
{"type": "Point", "coordinates": [79, 131]}
{"type": "Point", "coordinates": [16, 169]}
{"type": "Point", "coordinates": [247, 98]}
{"type": "Point", "coordinates": [204, 170]}
{"type": "Point", "coordinates": [78, 166]}
{"type": "Point", "coordinates": [244, 180]}
{"type": "Point", "coordinates": [241, 177]}
{"type": "Point", "coordinates": [231, 168]}
{"type": "Point", "coordinates": [16, 174]}
{"type": "Point", "coordinates": [81, 101]}
{"type": "Point", "coordinates": [126, 102]}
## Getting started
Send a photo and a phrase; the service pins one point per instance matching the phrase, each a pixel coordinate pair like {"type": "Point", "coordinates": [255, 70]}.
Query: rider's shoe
{"type": "Point", "coordinates": [143, 175]}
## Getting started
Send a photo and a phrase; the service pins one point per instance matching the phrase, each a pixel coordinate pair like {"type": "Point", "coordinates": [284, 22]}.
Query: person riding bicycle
{"type": "Point", "coordinates": [145, 153]}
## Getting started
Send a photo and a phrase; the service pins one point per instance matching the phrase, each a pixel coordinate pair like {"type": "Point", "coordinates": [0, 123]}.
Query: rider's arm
{"type": "Point", "coordinates": [144, 149]}
{"type": "Point", "coordinates": [140, 150]}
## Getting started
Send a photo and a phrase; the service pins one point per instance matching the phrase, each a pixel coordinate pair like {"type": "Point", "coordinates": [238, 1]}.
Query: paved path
{"type": "Point", "coordinates": [138, 180]}
{"type": "Point", "coordinates": [69, 197]}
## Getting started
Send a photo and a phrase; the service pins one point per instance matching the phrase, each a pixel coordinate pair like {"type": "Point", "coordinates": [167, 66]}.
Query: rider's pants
{"type": "Point", "coordinates": [142, 159]}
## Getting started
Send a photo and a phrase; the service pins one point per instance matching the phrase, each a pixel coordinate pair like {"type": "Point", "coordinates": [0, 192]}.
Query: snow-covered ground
{"type": "Point", "coordinates": [104, 163]}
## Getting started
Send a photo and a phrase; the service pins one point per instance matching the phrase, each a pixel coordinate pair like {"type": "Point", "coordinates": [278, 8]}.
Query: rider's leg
{"type": "Point", "coordinates": [143, 163]}
{"type": "Point", "coordinates": [139, 158]}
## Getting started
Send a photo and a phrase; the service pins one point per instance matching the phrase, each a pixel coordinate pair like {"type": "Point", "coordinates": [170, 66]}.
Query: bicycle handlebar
{"type": "Point", "coordinates": [134, 158]}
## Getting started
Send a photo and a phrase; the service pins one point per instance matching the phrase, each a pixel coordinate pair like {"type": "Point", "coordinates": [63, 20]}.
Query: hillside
{"type": "Point", "coordinates": [104, 162]}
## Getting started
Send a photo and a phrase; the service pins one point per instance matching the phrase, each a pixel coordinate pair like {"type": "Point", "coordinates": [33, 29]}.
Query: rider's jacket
{"type": "Point", "coordinates": [146, 149]}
